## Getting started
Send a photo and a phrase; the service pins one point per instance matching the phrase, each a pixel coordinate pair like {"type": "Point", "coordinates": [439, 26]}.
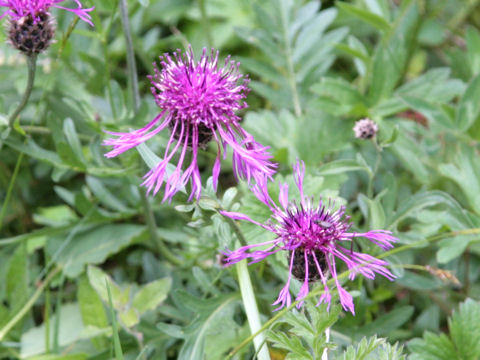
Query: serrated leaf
{"type": "Point", "coordinates": [212, 329]}
{"type": "Point", "coordinates": [464, 328]}
{"type": "Point", "coordinates": [432, 347]}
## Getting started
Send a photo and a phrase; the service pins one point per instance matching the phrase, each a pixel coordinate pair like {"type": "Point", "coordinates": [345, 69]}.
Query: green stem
{"type": "Point", "coordinates": [152, 228]}
{"type": "Point", "coordinates": [32, 67]}
{"type": "Point", "coordinates": [251, 310]}
{"type": "Point", "coordinates": [28, 305]}
{"type": "Point", "coordinates": [205, 22]}
{"type": "Point", "coordinates": [10, 188]}
{"type": "Point", "coordinates": [375, 169]}
{"type": "Point", "coordinates": [131, 64]}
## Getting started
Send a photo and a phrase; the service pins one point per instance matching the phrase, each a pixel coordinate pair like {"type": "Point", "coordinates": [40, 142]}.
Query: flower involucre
{"type": "Point", "coordinates": [198, 103]}
{"type": "Point", "coordinates": [18, 9]}
{"type": "Point", "coordinates": [313, 237]}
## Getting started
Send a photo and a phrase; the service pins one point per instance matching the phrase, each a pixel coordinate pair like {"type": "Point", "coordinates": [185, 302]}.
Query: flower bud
{"type": "Point", "coordinates": [365, 129]}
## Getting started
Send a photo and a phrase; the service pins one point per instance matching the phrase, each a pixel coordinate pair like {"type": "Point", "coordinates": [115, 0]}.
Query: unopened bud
{"type": "Point", "coordinates": [365, 129]}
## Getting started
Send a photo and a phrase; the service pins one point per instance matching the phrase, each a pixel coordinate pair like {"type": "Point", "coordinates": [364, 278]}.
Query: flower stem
{"type": "Point", "coordinates": [132, 67]}
{"type": "Point", "coordinates": [375, 169]}
{"type": "Point", "coordinates": [10, 188]}
{"type": "Point", "coordinates": [32, 67]}
{"type": "Point", "coordinates": [251, 310]}
{"type": "Point", "coordinates": [152, 228]}
{"type": "Point", "coordinates": [28, 305]}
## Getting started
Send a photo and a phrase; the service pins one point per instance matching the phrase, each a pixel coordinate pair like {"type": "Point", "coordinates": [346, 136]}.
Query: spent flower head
{"type": "Point", "coordinates": [198, 102]}
{"type": "Point", "coordinates": [313, 236]}
{"type": "Point", "coordinates": [365, 129]}
{"type": "Point", "coordinates": [31, 28]}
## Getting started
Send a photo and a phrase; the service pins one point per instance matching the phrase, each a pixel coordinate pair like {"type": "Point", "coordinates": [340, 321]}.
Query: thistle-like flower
{"type": "Point", "coordinates": [313, 237]}
{"type": "Point", "coordinates": [198, 103]}
{"type": "Point", "coordinates": [31, 27]}
{"type": "Point", "coordinates": [365, 129]}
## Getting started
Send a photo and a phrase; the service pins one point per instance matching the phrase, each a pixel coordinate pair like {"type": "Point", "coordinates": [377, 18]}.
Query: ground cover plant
{"type": "Point", "coordinates": [214, 179]}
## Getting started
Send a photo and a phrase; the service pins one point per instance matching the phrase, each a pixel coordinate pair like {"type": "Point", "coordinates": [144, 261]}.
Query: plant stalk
{"type": "Point", "coordinates": [28, 305]}
{"type": "Point", "coordinates": [152, 228]}
{"type": "Point", "coordinates": [253, 316]}
{"type": "Point", "coordinates": [32, 67]}
{"type": "Point", "coordinates": [131, 64]}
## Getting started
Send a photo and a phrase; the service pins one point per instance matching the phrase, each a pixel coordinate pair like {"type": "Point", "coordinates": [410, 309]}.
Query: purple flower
{"type": "Point", "coordinates": [313, 236]}
{"type": "Point", "coordinates": [198, 103]}
{"type": "Point", "coordinates": [21, 8]}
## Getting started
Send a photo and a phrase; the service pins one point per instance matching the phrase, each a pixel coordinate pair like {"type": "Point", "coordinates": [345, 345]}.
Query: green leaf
{"type": "Point", "coordinates": [341, 166]}
{"type": "Point", "coordinates": [151, 295]}
{"type": "Point", "coordinates": [432, 347]}
{"type": "Point", "coordinates": [104, 195]}
{"type": "Point", "coordinates": [385, 324]}
{"type": "Point", "coordinates": [473, 49]}
{"type": "Point", "coordinates": [72, 138]}
{"type": "Point", "coordinates": [293, 344]}
{"type": "Point", "coordinates": [465, 173]}
{"type": "Point", "coordinates": [97, 279]}
{"type": "Point", "coordinates": [376, 214]}
{"type": "Point", "coordinates": [370, 18]}
{"type": "Point", "coordinates": [17, 279]}
{"type": "Point", "coordinates": [212, 330]}
{"type": "Point", "coordinates": [92, 310]}
{"type": "Point", "coordinates": [421, 200]}
{"type": "Point", "coordinates": [55, 216]}
{"type": "Point", "coordinates": [373, 349]}
{"type": "Point", "coordinates": [432, 112]}
{"type": "Point", "coordinates": [464, 328]}
{"type": "Point", "coordinates": [93, 246]}
{"type": "Point", "coordinates": [469, 108]}
{"type": "Point", "coordinates": [71, 330]}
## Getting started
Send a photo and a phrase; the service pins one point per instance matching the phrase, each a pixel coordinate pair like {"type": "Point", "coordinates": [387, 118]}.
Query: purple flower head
{"type": "Point", "coordinates": [18, 9]}
{"type": "Point", "coordinates": [314, 236]}
{"type": "Point", "coordinates": [198, 102]}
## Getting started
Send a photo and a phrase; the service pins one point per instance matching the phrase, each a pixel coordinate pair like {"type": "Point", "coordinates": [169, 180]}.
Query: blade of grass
{"type": "Point", "coordinates": [116, 338]}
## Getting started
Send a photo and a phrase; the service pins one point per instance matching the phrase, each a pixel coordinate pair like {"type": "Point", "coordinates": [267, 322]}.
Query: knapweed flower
{"type": "Point", "coordinates": [313, 236]}
{"type": "Point", "coordinates": [198, 102]}
{"type": "Point", "coordinates": [365, 129]}
{"type": "Point", "coordinates": [31, 27]}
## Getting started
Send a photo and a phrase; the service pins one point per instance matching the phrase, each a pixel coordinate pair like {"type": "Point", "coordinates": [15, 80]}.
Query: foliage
{"type": "Point", "coordinates": [98, 272]}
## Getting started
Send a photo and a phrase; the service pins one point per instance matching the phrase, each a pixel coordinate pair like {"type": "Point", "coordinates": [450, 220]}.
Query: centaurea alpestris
{"type": "Point", "coordinates": [198, 102]}
{"type": "Point", "coordinates": [31, 28]}
{"type": "Point", "coordinates": [314, 236]}
{"type": "Point", "coordinates": [17, 9]}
